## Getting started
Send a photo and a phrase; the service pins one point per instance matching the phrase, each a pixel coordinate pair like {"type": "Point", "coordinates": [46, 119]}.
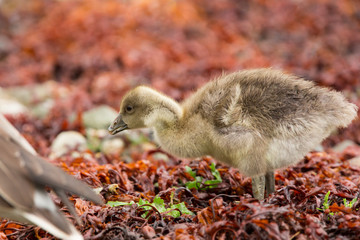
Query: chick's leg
{"type": "Point", "coordinates": [258, 187]}
{"type": "Point", "coordinates": [269, 183]}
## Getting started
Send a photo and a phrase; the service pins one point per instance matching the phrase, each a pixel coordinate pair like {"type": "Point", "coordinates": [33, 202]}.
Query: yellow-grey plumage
{"type": "Point", "coordinates": [255, 120]}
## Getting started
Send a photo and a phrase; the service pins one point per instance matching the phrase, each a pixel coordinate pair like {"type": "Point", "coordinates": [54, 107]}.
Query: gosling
{"type": "Point", "coordinates": [255, 120]}
{"type": "Point", "coordinates": [23, 177]}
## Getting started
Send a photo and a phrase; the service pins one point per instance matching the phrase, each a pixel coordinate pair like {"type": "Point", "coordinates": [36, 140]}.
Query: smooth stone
{"type": "Point", "coordinates": [319, 148]}
{"type": "Point", "coordinates": [12, 107]}
{"type": "Point", "coordinates": [340, 147]}
{"type": "Point", "coordinates": [160, 157]}
{"type": "Point", "coordinates": [27, 95]}
{"type": "Point", "coordinates": [42, 109]}
{"type": "Point", "coordinates": [148, 146]}
{"type": "Point", "coordinates": [112, 146]}
{"type": "Point", "coordinates": [99, 117]}
{"type": "Point", "coordinates": [68, 141]}
{"type": "Point", "coordinates": [355, 161]}
{"type": "Point", "coordinates": [21, 94]}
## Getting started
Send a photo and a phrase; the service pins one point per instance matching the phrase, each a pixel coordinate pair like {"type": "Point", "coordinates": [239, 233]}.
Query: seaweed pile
{"type": "Point", "coordinates": [100, 49]}
{"type": "Point", "coordinates": [316, 199]}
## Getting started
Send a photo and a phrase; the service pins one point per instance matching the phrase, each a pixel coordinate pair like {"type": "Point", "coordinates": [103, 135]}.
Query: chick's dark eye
{"type": "Point", "coordinates": [129, 109]}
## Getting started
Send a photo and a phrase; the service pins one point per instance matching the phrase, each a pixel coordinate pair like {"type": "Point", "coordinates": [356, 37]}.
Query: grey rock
{"type": "Point", "coordinates": [27, 95]}
{"type": "Point", "coordinates": [99, 117]}
{"type": "Point", "coordinates": [9, 105]}
{"type": "Point", "coordinates": [42, 109]}
{"type": "Point", "coordinates": [318, 148]}
{"type": "Point", "coordinates": [355, 161]}
{"type": "Point", "coordinates": [22, 94]}
{"type": "Point", "coordinates": [160, 156]}
{"type": "Point", "coordinates": [340, 147]}
{"type": "Point", "coordinates": [66, 142]}
{"type": "Point", "coordinates": [112, 146]}
{"type": "Point", "coordinates": [12, 107]}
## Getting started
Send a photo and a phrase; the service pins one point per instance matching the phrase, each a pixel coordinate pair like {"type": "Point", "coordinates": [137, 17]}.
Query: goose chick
{"type": "Point", "coordinates": [23, 178]}
{"type": "Point", "coordinates": [255, 120]}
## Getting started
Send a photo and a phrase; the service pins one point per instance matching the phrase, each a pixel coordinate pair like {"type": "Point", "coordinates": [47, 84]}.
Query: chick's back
{"type": "Point", "coordinates": [270, 103]}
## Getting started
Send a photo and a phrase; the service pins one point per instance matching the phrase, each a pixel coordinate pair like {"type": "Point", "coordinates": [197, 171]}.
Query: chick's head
{"type": "Point", "coordinates": [134, 108]}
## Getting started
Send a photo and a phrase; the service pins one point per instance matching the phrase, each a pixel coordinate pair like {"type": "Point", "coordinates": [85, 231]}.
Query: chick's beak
{"type": "Point", "coordinates": [118, 125]}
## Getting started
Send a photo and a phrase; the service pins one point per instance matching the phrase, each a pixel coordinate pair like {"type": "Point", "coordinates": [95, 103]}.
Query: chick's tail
{"type": "Point", "coordinates": [343, 112]}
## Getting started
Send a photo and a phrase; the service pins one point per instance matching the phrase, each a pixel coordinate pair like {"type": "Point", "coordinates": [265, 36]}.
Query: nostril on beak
{"type": "Point", "coordinates": [113, 124]}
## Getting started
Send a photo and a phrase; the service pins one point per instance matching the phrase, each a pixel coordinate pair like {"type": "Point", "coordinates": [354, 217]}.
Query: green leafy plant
{"type": "Point", "coordinates": [116, 203]}
{"type": "Point", "coordinates": [326, 203]}
{"type": "Point", "coordinates": [349, 204]}
{"type": "Point", "coordinates": [198, 182]}
{"type": "Point", "coordinates": [157, 203]}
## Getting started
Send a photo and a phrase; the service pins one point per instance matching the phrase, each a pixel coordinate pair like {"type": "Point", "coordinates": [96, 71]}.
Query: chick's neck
{"type": "Point", "coordinates": [166, 114]}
